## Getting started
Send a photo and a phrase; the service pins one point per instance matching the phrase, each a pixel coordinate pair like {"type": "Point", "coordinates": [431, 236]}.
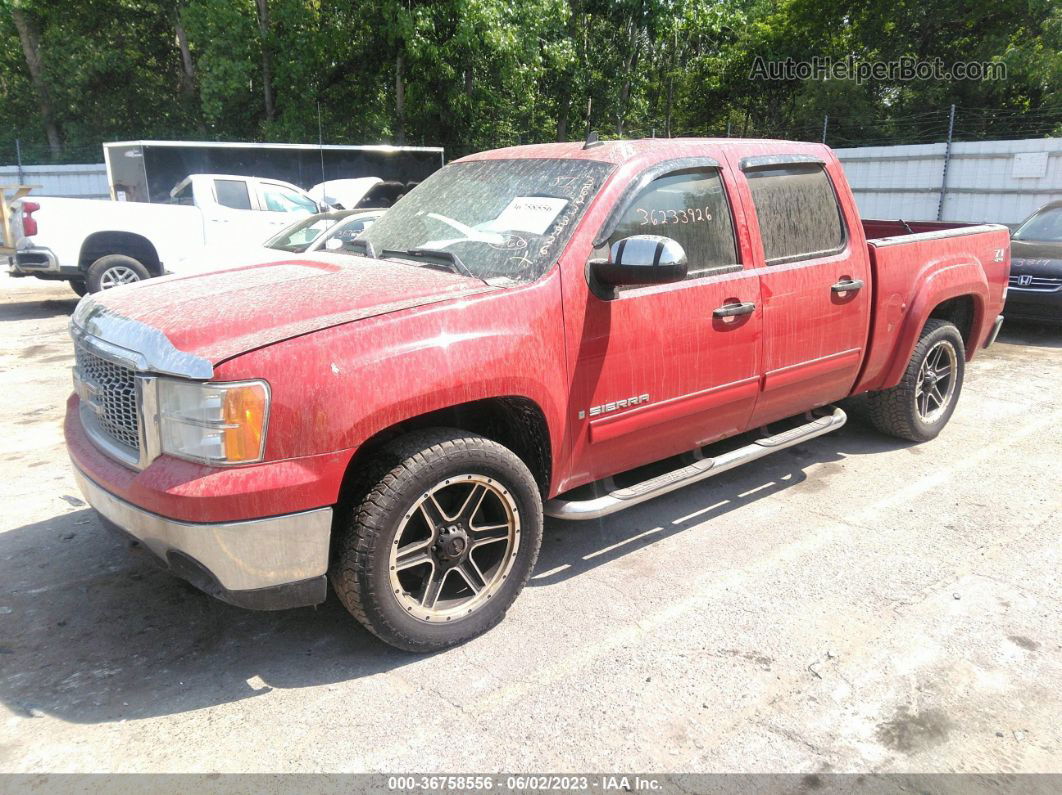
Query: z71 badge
{"type": "Point", "coordinates": [605, 408]}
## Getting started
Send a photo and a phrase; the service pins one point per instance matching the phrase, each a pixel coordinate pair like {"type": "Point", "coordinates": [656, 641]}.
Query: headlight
{"type": "Point", "coordinates": [214, 423]}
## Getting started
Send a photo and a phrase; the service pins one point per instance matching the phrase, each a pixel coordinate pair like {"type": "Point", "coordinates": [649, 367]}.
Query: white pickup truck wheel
{"type": "Point", "coordinates": [443, 542]}
{"type": "Point", "coordinates": [114, 270]}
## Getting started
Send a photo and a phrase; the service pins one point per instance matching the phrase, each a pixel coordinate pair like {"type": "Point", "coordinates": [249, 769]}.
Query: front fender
{"type": "Point", "coordinates": [337, 387]}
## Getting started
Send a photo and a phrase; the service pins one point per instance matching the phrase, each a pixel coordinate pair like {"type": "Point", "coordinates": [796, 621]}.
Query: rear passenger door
{"type": "Point", "coordinates": [814, 285]}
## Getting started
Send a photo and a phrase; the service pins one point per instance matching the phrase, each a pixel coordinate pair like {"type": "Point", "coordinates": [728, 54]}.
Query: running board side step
{"type": "Point", "coordinates": [620, 499]}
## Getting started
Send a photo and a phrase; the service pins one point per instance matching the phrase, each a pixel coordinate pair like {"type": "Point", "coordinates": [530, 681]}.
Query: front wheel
{"type": "Point", "coordinates": [920, 406]}
{"type": "Point", "coordinates": [443, 542]}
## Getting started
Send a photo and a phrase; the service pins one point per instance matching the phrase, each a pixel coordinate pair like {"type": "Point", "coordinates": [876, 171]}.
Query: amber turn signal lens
{"type": "Point", "coordinates": [244, 417]}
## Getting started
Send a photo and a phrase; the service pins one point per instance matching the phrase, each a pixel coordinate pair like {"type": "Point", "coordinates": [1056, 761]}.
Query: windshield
{"type": "Point", "coordinates": [507, 219]}
{"type": "Point", "coordinates": [1045, 226]}
{"type": "Point", "coordinates": [297, 237]}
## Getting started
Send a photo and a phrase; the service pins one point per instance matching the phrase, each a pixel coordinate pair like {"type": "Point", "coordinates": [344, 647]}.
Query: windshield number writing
{"type": "Point", "coordinates": [659, 217]}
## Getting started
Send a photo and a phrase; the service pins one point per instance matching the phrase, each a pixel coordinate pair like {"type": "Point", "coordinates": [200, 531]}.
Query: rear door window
{"type": "Point", "coordinates": [232, 193]}
{"type": "Point", "coordinates": [690, 207]}
{"type": "Point", "coordinates": [798, 212]}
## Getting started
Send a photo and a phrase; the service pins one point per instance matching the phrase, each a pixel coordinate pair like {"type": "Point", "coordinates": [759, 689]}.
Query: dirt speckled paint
{"type": "Point", "coordinates": [353, 346]}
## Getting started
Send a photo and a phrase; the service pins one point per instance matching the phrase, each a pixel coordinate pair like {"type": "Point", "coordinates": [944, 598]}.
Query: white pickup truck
{"type": "Point", "coordinates": [96, 244]}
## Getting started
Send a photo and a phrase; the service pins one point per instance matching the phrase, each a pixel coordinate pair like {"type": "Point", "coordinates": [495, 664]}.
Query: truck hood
{"type": "Point", "coordinates": [1035, 250]}
{"type": "Point", "coordinates": [186, 324]}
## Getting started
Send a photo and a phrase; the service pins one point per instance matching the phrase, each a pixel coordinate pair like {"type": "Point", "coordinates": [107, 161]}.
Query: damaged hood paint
{"type": "Point", "coordinates": [174, 321]}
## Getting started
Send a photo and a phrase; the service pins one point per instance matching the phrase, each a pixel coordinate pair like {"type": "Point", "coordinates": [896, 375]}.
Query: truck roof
{"type": "Point", "coordinates": [652, 149]}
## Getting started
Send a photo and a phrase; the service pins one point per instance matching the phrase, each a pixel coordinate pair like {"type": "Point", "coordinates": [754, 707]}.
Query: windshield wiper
{"type": "Point", "coordinates": [433, 256]}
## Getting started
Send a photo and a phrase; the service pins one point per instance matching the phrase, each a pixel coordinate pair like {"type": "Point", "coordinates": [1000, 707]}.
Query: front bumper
{"type": "Point", "coordinates": [1042, 305]}
{"type": "Point", "coordinates": [263, 564]}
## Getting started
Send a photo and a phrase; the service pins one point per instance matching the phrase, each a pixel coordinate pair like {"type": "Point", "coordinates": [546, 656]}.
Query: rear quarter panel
{"type": "Point", "coordinates": [915, 274]}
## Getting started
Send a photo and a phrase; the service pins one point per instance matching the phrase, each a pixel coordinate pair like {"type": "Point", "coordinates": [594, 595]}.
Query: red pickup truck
{"type": "Point", "coordinates": [522, 334]}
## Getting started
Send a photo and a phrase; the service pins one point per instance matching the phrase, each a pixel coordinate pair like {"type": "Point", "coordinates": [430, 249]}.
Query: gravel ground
{"type": "Point", "coordinates": [852, 604]}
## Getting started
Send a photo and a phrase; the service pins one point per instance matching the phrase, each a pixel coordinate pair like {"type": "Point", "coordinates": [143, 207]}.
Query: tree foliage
{"type": "Point", "coordinates": [472, 74]}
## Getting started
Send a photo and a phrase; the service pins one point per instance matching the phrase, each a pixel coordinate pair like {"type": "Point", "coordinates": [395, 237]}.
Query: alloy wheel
{"type": "Point", "coordinates": [118, 275]}
{"type": "Point", "coordinates": [936, 382]}
{"type": "Point", "coordinates": [454, 548]}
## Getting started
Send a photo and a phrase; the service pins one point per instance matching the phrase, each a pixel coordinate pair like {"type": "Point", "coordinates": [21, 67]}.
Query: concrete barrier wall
{"type": "Point", "coordinates": [78, 181]}
{"type": "Point", "coordinates": [996, 181]}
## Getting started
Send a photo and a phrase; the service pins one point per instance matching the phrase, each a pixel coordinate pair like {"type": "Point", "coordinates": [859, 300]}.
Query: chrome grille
{"type": "Point", "coordinates": [109, 391]}
{"type": "Point", "coordinates": [1046, 283]}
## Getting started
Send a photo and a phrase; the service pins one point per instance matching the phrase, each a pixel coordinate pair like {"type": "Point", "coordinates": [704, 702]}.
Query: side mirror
{"type": "Point", "coordinates": [640, 260]}
{"type": "Point", "coordinates": [333, 244]}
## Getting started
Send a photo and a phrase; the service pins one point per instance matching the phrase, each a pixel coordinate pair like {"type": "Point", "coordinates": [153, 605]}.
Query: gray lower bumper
{"type": "Point", "coordinates": [269, 563]}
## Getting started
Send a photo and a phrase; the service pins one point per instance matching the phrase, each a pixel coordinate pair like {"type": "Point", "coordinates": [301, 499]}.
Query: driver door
{"type": "Point", "coordinates": [657, 371]}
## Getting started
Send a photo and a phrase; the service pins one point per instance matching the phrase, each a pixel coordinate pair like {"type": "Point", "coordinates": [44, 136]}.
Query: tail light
{"type": "Point", "coordinates": [29, 224]}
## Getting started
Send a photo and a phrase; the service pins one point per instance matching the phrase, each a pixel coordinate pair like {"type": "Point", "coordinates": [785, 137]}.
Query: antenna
{"type": "Point", "coordinates": [592, 140]}
{"type": "Point", "coordinates": [320, 145]}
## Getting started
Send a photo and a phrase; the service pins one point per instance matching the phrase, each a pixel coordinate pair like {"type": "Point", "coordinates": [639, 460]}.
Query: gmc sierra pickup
{"type": "Point", "coordinates": [521, 335]}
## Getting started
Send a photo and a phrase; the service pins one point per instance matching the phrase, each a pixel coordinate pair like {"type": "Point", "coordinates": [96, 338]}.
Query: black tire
{"type": "Point", "coordinates": [896, 411]}
{"type": "Point", "coordinates": [109, 265]}
{"type": "Point", "coordinates": [78, 286]}
{"type": "Point", "coordinates": [401, 475]}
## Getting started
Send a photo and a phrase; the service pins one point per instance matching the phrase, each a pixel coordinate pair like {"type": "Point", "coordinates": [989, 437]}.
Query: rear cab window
{"type": "Point", "coordinates": [689, 206]}
{"type": "Point", "coordinates": [798, 211]}
{"type": "Point", "coordinates": [185, 196]}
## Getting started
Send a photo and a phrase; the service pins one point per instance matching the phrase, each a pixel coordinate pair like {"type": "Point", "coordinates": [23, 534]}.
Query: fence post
{"type": "Point", "coordinates": [825, 124]}
{"type": "Point", "coordinates": [18, 160]}
{"type": "Point", "coordinates": [947, 160]}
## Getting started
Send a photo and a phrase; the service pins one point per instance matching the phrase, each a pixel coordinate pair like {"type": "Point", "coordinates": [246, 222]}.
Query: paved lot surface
{"type": "Point", "coordinates": [855, 603]}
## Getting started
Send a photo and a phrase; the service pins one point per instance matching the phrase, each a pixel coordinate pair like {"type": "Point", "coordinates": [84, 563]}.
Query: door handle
{"type": "Point", "coordinates": [848, 285]}
{"type": "Point", "coordinates": [733, 310]}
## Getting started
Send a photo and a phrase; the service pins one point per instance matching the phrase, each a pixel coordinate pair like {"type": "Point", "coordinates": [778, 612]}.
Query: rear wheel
{"type": "Point", "coordinates": [78, 286]}
{"type": "Point", "coordinates": [920, 406]}
{"type": "Point", "coordinates": [443, 542]}
{"type": "Point", "coordinates": [114, 270]}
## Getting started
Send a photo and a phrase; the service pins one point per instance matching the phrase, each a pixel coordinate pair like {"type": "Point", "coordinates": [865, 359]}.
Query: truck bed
{"type": "Point", "coordinates": [934, 261]}
{"type": "Point", "coordinates": [875, 229]}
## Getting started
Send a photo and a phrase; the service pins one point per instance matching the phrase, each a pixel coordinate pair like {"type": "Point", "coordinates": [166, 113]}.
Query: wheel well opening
{"type": "Point", "coordinates": [515, 422]}
{"type": "Point", "coordinates": [100, 244]}
{"type": "Point", "coordinates": [960, 312]}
